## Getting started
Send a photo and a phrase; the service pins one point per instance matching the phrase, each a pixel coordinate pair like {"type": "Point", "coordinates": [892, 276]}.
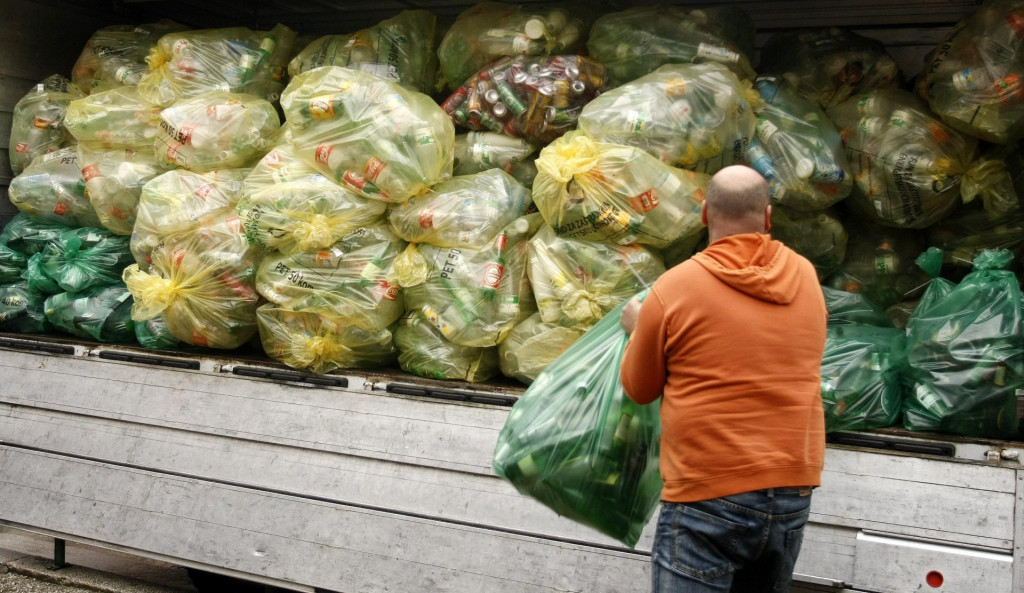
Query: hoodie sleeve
{"type": "Point", "coordinates": [643, 365]}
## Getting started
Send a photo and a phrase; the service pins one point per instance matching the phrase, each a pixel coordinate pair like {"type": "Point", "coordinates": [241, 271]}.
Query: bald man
{"type": "Point", "coordinates": [730, 342]}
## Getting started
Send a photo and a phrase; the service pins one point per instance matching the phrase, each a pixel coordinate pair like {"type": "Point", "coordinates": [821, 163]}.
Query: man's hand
{"type": "Point", "coordinates": [629, 315]}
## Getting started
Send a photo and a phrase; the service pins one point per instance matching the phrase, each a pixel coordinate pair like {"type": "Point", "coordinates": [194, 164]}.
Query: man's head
{"type": "Point", "coordinates": [737, 202]}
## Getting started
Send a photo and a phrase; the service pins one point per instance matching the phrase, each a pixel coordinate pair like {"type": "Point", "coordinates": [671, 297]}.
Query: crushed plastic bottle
{"type": "Point", "coordinates": [37, 124]}
{"type": "Point", "coordinates": [52, 189]}
{"type": "Point", "coordinates": [424, 351]}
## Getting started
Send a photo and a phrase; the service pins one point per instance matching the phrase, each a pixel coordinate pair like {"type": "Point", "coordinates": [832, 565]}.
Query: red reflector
{"type": "Point", "coordinates": [934, 579]}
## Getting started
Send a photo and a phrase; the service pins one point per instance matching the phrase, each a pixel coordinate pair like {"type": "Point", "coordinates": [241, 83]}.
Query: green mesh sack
{"type": "Point", "coordinates": [21, 309]}
{"type": "Point", "coordinates": [86, 257]}
{"type": "Point", "coordinates": [101, 313]}
{"type": "Point", "coordinates": [966, 355]}
{"type": "Point", "coordinates": [576, 442]}
{"type": "Point", "coordinates": [860, 377]}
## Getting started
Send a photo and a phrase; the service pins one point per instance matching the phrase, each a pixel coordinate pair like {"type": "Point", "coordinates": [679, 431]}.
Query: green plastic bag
{"type": "Point", "coordinates": [101, 313]}
{"type": "Point", "coordinates": [28, 236]}
{"type": "Point", "coordinates": [861, 377]}
{"type": "Point", "coordinates": [424, 351]}
{"type": "Point", "coordinates": [21, 309]}
{"type": "Point", "coordinates": [12, 264]}
{"type": "Point", "coordinates": [576, 442]}
{"type": "Point", "coordinates": [86, 257]}
{"type": "Point", "coordinates": [966, 355]}
{"type": "Point", "coordinates": [852, 308]}
{"type": "Point", "coordinates": [879, 263]}
{"type": "Point", "coordinates": [37, 278]}
{"type": "Point", "coordinates": [154, 334]}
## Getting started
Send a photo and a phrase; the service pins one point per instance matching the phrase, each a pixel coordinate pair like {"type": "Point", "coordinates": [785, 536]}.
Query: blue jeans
{"type": "Point", "coordinates": [745, 543]}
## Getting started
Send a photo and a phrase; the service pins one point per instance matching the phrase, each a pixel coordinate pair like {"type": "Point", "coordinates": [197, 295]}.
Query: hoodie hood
{"type": "Point", "coordinates": [755, 265]}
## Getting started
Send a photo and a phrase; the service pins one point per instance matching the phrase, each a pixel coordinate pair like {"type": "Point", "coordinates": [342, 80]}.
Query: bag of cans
{"type": "Point", "coordinates": [462, 212]}
{"type": "Point", "coordinates": [84, 258]}
{"type": "Point", "coordinates": [797, 150]}
{"type": "Point", "coordinates": [818, 236]}
{"type": "Point", "coordinates": [367, 134]}
{"type": "Point", "coordinates": [473, 296]}
{"type": "Point", "coordinates": [236, 60]}
{"type": "Point", "coordinates": [101, 313]}
{"type": "Point", "coordinates": [37, 124]}
{"type": "Point", "coordinates": [829, 65]}
{"type": "Point", "coordinates": [202, 283]}
{"type": "Point", "coordinates": [910, 170]}
{"type": "Point", "coordinates": [636, 41]}
{"type": "Point", "coordinates": [321, 343]}
{"type": "Point", "coordinates": [114, 179]}
{"type": "Point", "coordinates": [576, 283]}
{"type": "Point", "coordinates": [973, 79]}
{"type": "Point", "coordinates": [537, 98]}
{"type": "Point", "coordinates": [117, 118]}
{"type": "Point", "coordinates": [22, 309]}
{"type": "Point", "coordinates": [173, 202]}
{"type": "Point", "coordinates": [965, 355]}
{"type": "Point", "coordinates": [490, 30]}
{"type": "Point", "coordinates": [423, 350]}
{"type": "Point", "coordinates": [695, 116]}
{"type": "Point", "coordinates": [576, 443]}
{"type": "Point", "coordinates": [52, 189]}
{"type": "Point", "coordinates": [116, 56]}
{"type": "Point", "coordinates": [879, 263]}
{"type": "Point", "coordinates": [154, 334]}
{"type": "Point", "coordinates": [288, 206]}
{"type": "Point", "coordinates": [480, 151]}
{"type": "Point", "coordinates": [860, 377]}
{"type": "Point", "coordinates": [26, 235]}
{"type": "Point", "coordinates": [532, 345]}
{"type": "Point", "coordinates": [399, 49]}
{"type": "Point", "coordinates": [353, 279]}
{"type": "Point", "coordinates": [216, 130]}
{"type": "Point", "coordinates": [611, 193]}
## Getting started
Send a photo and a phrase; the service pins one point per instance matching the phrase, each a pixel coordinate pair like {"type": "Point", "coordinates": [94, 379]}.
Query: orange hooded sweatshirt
{"type": "Point", "coordinates": [733, 338]}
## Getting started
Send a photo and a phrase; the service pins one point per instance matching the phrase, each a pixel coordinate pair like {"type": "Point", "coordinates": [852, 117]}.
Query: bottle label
{"type": "Point", "coordinates": [964, 81]}
{"type": "Point", "coordinates": [493, 274]}
{"type": "Point", "coordinates": [885, 264]}
{"type": "Point", "coordinates": [426, 219]}
{"type": "Point", "coordinates": [374, 167]}
{"type": "Point", "coordinates": [21, 147]}
{"type": "Point", "coordinates": [322, 107]}
{"type": "Point", "coordinates": [91, 172]}
{"type": "Point", "coordinates": [1009, 88]}
{"type": "Point", "coordinates": [765, 129]}
{"type": "Point", "coordinates": [61, 208]}
{"type": "Point", "coordinates": [717, 53]}
{"type": "Point", "coordinates": [323, 153]}
{"type": "Point", "coordinates": [644, 202]}
{"type": "Point", "coordinates": [636, 121]}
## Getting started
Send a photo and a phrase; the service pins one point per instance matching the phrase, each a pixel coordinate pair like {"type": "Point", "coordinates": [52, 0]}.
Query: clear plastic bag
{"type": "Point", "coordinates": [879, 263]}
{"type": "Point", "coordinates": [462, 212]}
{"type": "Point", "coordinates": [490, 30]}
{"type": "Point", "coordinates": [288, 206]}
{"type": "Point", "coordinates": [532, 345]}
{"type": "Point", "coordinates": [322, 343]}
{"type": "Point", "coordinates": [481, 151]}
{"type": "Point", "coordinates": [116, 56]}
{"type": "Point", "coordinates": [52, 189]}
{"type": "Point", "coordinates": [117, 118]}
{"type": "Point", "coordinates": [399, 49]}
{"type": "Point", "coordinates": [201, 283]}
{"type": "Point", "coordinates": [798, 150]}
{"type": "Point", "coordinates": [369, 135]}
{"type": "Point", "coordinates": [84, 258]}
{"type": "Point", "coordinates": [37, 124]}
{"type": "Point", "coordinates": [610, 193]}
{"type": "Point", "coordinates": [154, 334]}
{"type": "Point", "coordinates": [972, 80]}
{"type": "Point", "coordinates": [215, 131]}
{"type": "Point", "coordinates": [576, 442]}
{"type": "Point", "coordinates": [829, 65]}
{"type": "Point", "coordinates": [351, 280]}
{"type": "Point", "coordinates": [237, 60]}
{"type": "Point", "coordinates": [28, 235]}
{"type": "Point", "coordinates": [966, 356]}
{"type": "Point", "coordinates": [114, 179]}
{"type": "Point", "coordinates": [910, 169]}
{"type": "Point", "coordinates": [860, 377]}
{"type": "Point", "coordinates": [695, 116]}
{"type": "Point", "coordinates": [636, 41]}
{"type": "Point", "coordinates": [172, 203]}
{"type": "Point", "coordinates": [473, 296]}
{"type": "Point", "coordinates": [22, 310]}
{"type": "Point", "coordinates": [818, 236]}
{"type": "Point", "coordinates": [101, 313]}
{"type": "Point", "coordinates": [576, 283]}
{"type": "Point", "coordinates": [424, 351]}
{"type": "Point", "coordinates": [537, 98]}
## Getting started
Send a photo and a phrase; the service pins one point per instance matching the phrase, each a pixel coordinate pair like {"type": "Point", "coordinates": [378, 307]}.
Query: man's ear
{"type": "Point", "coordinates": [768, 218]}
{"type": "Point", "coordinates": [704, 212]}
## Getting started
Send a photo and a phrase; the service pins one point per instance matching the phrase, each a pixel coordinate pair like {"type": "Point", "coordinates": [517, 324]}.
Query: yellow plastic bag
{"type": "Point", "coordinates": [288, 206]}
{"type": "Point", "coordinates": [424, 351]}
{"type": "Point", "coordinates": [533, 345]}
{"type": "Point", "coordinates": [616, 194]}
{"type": "Point", "coordinates": [37, 124]}
{"type": "Point", "coordinates": [576, 283]}
{"type": "Point", "coordinates": [399, 49]}
{"type": "Point", "coordinates": [116, 56]}
{"type": "Point", "coordinates": [466, 211]}
{"type": "Point", "coordinates": [480, 151]}
{"type": "Point", "coordinates": [368, 134]}
{"type": "Point", "coordinates": [52, 189]}
{"type": "Point", "coordinates": [117, 118]}
{"type": "Point", "coordinates": [352, 279]}
{"type": "Point", "coordinates": [201, 283]}
{"type": "Point", "coordinates": [321, 343]}
{"type": "Point", "coordinates": [215, 131]}
{"type": "Point", "coordinates": [237, 60]}
{"type": "Point", "coordinates": [114, 179]}
{"type": "Point", "coordinates": [172, 203]}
